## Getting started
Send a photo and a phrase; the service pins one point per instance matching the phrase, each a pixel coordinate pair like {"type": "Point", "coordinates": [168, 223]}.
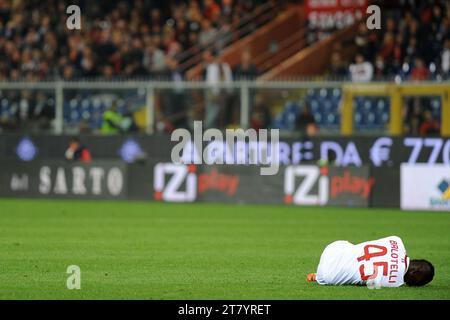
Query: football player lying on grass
{"type": "Point", "coordinates": [378, 263]}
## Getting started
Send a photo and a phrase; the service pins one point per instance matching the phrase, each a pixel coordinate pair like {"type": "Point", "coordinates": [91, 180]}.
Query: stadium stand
{"type": "Point", "coordinates": [156, 40]}
{"type": "Point", "coordinates": [118, 39]}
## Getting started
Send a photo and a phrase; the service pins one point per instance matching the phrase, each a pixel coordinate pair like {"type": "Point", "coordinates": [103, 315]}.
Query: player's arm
{"type": "Point", "coordinates": [311, 277]}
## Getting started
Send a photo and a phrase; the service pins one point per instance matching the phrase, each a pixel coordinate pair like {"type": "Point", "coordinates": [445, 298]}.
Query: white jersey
{"type": "Point", "coordinates": [345, 263]}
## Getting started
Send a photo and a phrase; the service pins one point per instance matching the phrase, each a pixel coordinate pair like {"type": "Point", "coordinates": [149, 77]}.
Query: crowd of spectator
{"type": "Point", "coordinates": [218, 106]}
{"type": "Point", "coordinates": [117, 38]}
{"type": "Point", "coordinates": [413, 44]}
{"type": "Point", "coordinates": [125, 39]}
{"type": "Point", "coordinates": [418, 118]}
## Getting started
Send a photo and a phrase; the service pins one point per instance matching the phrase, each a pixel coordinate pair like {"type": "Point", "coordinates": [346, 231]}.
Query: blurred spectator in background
{"type": "Point", "coordinates": [338, 67]}
{"type": "Point", "coordinates": [173, 110]}
{"type": "Point", "coordinates": [413, 117]}
{"type": "Point", "coordinates": [420, 71]}
{"type": "Point", "coordinates": [364, 42]}
{"type": "Point", "coordinates": [43, 111]}
{"type": "Point", "coordinates": [224, 35]}
{"type": "Point", "coordinates": [173, 73]}
{"type": "Point", "coordinates": [388, 47]}
{"type": "Point", "coordinates": [381, 69]}
{"type": "Point", "coordinates": [418, 118]}
{"type": "Point", "coordinates": [429, 126]}
{"type": "Point", "coordinates": [154, 59]}
{"type": "Point", "coordinates": [68, 73]}
{"type": "Point", "coordinates": [112, 120]}
{"type": "Point", "coordinates": [210, 9]}
{"type": "Point", "coordinates": [208, 33]}
{"type": "Point", "coordinates": [260, 114]}
{"type": "Point", "coordinates": [306, 124]}
{"type": "Point", "coordinates": [361, 70]}
{"type": "Point", "coordinates": [77, 152]}
{"type": "Point", "coordinates": [7, 124]}
{"type": "Point", "coordinates": [217, 75]}
{"type": "Point", "coordinates": [445, 60]}
{"type": "Point", "coordinates": [245, 69]}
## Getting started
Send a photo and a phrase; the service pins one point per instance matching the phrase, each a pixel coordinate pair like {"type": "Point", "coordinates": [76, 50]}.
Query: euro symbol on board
{"type": "Point", "coordinates": [380, 151]}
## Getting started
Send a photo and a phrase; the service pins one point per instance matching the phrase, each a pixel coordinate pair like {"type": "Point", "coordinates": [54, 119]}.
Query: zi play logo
{"type": "Point", "coordinates": [312, 188]}
{"type": "Point", "coordinates": [351, 184]}
{"type": "Point", "coordinates": [182, 183]}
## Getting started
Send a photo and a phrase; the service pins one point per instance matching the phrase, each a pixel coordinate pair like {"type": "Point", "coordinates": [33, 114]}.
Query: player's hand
{"type": "Point", "coordinates": [311, 277]}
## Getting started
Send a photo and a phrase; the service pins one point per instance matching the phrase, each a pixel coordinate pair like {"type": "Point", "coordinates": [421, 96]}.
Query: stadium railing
{"type": "Point", "coordinates": [338, 107]}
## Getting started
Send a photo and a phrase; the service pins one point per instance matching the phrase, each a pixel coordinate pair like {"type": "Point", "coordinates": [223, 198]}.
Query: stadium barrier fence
{"type": "Point", "coordinates": [246, 93]}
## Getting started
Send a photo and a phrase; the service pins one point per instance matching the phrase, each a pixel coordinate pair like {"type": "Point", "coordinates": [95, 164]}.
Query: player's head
{"type": "Point", "coordinates": [420, 272]}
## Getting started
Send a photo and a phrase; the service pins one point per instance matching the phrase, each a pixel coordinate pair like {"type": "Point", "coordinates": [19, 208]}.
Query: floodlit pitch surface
{"type": "Point", "coordinates": [137, 250]}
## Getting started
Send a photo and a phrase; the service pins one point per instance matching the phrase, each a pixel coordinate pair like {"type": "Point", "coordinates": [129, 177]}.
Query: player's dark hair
{"type": "Point", "coordinates": [420, 272]}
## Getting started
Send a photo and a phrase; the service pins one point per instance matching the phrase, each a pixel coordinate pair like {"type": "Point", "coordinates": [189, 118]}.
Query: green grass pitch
{"type": "Point", "coordinates": [137, 250]}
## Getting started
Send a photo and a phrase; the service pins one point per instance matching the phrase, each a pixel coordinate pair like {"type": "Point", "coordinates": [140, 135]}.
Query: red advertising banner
{"type": "Point", "coordinates": [330, 14]}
